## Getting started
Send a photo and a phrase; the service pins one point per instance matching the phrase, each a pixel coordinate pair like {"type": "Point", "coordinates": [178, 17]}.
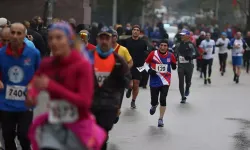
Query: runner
{"type": "Point", "coordinates": [123, 52]}
{"type": "Point", "coordinates": [158, 65]}
{"type": "Point", "coordinates": [237, 45]}
{"type": "Point", "coordinates": [137, 49]}
{"type": "Point", "coordinates": [247, 52]}
{"type": "Point", "coordinates": [199, 59]}
{"type": "Point", "coordinates": [185, 51]}
{"type": "Point", "coordinates": [18, 63]}
{"type": "Point", "coordinates": [222, 43]}
{"type": "Point", "coordinates": [68, 125]}
{"type": "Point", "coordinates": [84, 34]}
{"type": "Point", "coordinates": [208, 46]}
{"type": "Point", "coordinates": [4, 36]}
{"type": "Point", "coordinates": [112, 75]}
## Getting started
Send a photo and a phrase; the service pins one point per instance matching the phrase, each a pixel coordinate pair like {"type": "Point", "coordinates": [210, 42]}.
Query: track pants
{"type": "Point", "coordinates": [223, 61]}
{"type": "Point", "coordinates": [16, 124]}
{"type": "Point", "coordinates": [207, 64]}
{"type": "Point", "coordinates": [185, 73]}
{"type": "Point", "coordinates": [105, 118]}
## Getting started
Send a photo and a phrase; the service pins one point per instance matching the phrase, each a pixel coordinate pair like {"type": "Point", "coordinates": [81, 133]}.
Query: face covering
{"type": "Point", "coordinates": [104, 54]}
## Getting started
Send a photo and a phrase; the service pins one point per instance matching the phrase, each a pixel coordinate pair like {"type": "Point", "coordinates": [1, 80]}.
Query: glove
{"type": "Point", "coordinates": [173, 65]}
{"type": "Point", "coordinates": [188, 57]}
{"type": "Point", "coordinates": [205, 53]}
{"type": "Point", "coordinates": [152, 72]}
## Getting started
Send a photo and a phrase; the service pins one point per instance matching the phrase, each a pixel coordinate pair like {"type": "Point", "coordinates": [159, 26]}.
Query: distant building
{"type": "Point", "coordinates": [19, 10]}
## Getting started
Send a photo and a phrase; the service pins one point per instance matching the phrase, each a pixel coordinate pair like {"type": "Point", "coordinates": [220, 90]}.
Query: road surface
{"type": "Point", "coordinates": [215, 117]}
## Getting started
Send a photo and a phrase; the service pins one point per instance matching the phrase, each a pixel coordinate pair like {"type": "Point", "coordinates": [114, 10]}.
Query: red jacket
{"type": "Point", "coordinates": [71, 79]}
{"type": "Point", "coordinates": [90, 47]}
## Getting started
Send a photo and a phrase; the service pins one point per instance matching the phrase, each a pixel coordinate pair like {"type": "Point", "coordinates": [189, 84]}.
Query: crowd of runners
{"type": "Point", "coordinates": [86, 78]}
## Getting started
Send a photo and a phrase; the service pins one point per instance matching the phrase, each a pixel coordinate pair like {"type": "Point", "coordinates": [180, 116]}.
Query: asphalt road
{"type": "Point", "coordinates": [215, 117]}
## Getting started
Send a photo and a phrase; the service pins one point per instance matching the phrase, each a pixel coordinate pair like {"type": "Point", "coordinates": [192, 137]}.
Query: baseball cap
{"type": "Point", "coordinates": [105, 31]}
{"type": "Point", "coordinates": [3, 21]}
{"type": "Point", "coordinates": [184, 32]}
{"type": "Point", "coordinates": [114, 32]}
{"type": "Point", "coordinates": [224, 34]}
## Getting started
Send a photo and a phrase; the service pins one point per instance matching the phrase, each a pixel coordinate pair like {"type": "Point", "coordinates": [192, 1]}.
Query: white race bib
{"type": "Point", "coordinates": [161, 68]}
{"type": "Point", "coordinates": [182, 60]}
{"type": "Point", "coordinates": [101, 76]}
{"type": "Point", "coordinates": [61, 111]}
{"type": "Point", "coordinates": [14, 92]}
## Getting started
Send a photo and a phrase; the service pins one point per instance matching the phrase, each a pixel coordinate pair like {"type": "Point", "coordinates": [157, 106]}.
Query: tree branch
{"type": "Point", "coordinates": [242, 9]}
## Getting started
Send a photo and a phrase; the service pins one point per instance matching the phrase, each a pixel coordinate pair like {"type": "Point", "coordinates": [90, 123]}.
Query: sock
{"type": "Point", "coordinates": [133, 100]}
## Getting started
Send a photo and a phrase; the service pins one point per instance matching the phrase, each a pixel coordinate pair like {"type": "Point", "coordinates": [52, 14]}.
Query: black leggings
{"type": "Point", "coordinates": [207, 63]}
{"type": "Point", "coordinates": [223, 61]}
{"type": "Point", "coordinates": [155, 91]}
{"type": "Point", "coordinates": [16, 124]}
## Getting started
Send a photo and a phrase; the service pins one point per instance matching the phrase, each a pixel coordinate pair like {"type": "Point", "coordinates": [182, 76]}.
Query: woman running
{"type": "Point", "coordinates": [68, 79]}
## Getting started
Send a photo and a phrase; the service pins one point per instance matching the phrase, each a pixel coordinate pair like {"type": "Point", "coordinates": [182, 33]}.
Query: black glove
{"type": "Point", "coordinates": [173, 66]}
{"type": "Point", "coordinates": [152, 72]}
{"type": "Point", "coordinates": [205, 53]}
{"type": "Point", "coordinates": [188, 57]}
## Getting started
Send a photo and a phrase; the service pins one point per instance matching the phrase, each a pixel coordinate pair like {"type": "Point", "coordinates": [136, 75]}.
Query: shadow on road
{"type": "Point", "coordinates": [242, 138]}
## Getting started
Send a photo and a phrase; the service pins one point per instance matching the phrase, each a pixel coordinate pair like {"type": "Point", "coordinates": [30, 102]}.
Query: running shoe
{"type": "Point", "coordinates": [183, 100]}
{"type": "Point", "coordinates": [128, 93]}
{"type": "Point", "coordinates": [133, 106]}
{"type": "Point", "coordinates": [237, 79]}
{"type": "Point", "coordinates": [235, 76]}
{"type": "Point", "coordinates": [187, 92]}
{"type": "Point", "coordinates": [205, 81]}
{"type": "Point", "coordinates": [160, 123]}
{"type": "Point", "coordinates": [153, 109]}
{"type": "Point", "coordinates": [209, 81]}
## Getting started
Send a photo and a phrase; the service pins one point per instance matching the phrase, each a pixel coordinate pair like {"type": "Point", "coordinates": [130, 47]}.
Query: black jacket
{"type": "Point", "coordinates": [108, 96]}
{"type": "Point", "coordinates": [187, 50]}
{"type": "Point", "coordinates": [38, 41]}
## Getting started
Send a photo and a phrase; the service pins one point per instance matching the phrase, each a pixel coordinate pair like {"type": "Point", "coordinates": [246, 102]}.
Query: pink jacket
{"type": "Point", "coordinates": [75, 84]}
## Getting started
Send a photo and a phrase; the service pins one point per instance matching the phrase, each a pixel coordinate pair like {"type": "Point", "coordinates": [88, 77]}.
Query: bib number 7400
{"type": "Point", "coordinates": [14, 92]}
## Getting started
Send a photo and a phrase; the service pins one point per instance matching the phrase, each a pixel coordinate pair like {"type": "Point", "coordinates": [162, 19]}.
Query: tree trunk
{"type": "Point", "coordinates": [248, 18]}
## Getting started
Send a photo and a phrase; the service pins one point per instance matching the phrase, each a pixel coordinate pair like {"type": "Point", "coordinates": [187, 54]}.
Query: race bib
{"type": "Point", "coordinates": [161, 68]}
{"type": "Point", "coordinates": [101, 76]}
{"type": "Point", "coordinates": [14, 92]}
{"type": "Point", "coordinates": [62, 112]}
{"type": "Point", "coordinates": [182, 60]}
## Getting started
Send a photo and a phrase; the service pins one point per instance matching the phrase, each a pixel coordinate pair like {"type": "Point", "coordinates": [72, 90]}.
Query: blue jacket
{"type": "Point", "coordinates": [29, 43]}
{"type": "Point", "coordinates": [16, 73]}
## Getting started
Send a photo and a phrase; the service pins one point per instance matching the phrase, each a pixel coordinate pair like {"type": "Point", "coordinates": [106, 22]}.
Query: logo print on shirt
{"type": "Point", "coordinates": [16, 74]}
{"type": "Point", "coordinates": [27, 62]}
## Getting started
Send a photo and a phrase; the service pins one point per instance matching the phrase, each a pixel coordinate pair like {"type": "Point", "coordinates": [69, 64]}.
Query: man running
{"type": "Point", "coordinates": [158, 65]}
{"type": "Point", "coordinates": [137, 49]}
{"type": "Point", "coordinates": [185, 52]}
{"type": "Point", "coordinates": [4, 36]}
{"type": "Point", "coordinates": [237, 45]}
{"type": "Point", "coordinates": [222, 43]}
{"type": "Point", "coordinates": [208, 46]}
{"type": "Point", "coordinates": [84, 34]}
{"type": "Point", "coordinates": [123, 52]}
{"type": "Point", "coordinates": [247, 52]}
{"type": "Point", "coordinates": [18, 63]}
{"type": "Point", "coordinates": [112, 75]}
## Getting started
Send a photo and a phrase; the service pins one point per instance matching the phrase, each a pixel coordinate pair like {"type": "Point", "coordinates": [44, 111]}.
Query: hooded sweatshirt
{"type": "Point", "coordinates": [71, 79]}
